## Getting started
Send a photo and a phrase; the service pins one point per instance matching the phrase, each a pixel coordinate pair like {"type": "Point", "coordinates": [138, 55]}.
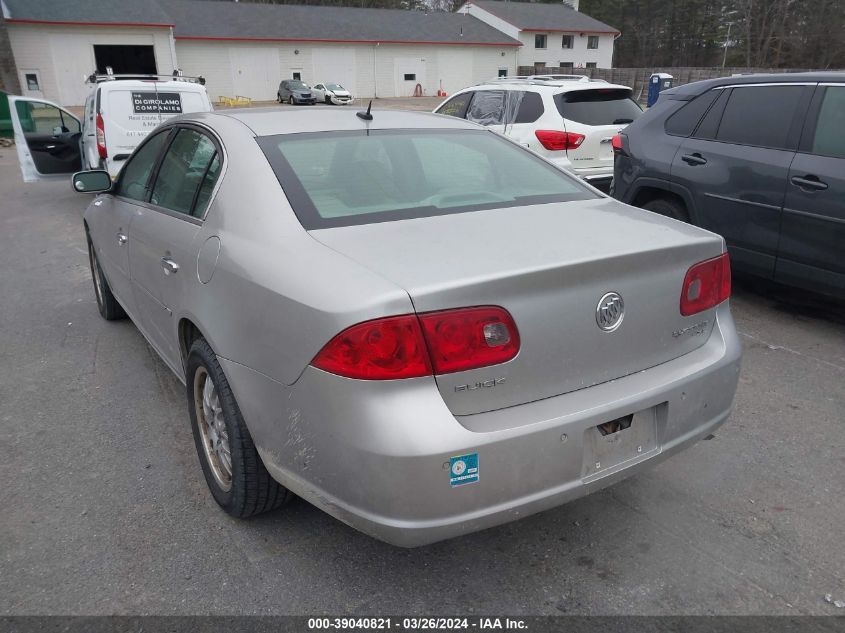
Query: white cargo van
{"type": "Point", "coordinates": [119, 112]}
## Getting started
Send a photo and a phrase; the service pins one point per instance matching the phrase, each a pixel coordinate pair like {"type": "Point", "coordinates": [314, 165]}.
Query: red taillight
{"type": "Point", "coordinates": [555, 140]}
{"type": "Point", "coordinates": [101, 137]}
{"type": "Point", "coordinates": [706, 285]}
{"type": "Point", "coordinates": [616, 143]}
{"type": "Point", "coordinates": [383, 349]}
{"type": "Point", "coordinates": [433, 343]}
{"type": "Point", "coordinates": [469, 338]}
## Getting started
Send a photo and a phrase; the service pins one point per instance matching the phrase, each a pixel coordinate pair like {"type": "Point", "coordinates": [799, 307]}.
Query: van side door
{"type": "Point", "coordinates": [46, 139]}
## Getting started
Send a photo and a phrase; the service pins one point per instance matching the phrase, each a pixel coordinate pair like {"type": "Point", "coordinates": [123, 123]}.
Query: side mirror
{"type": "Point", "coordinates": [91, 181]}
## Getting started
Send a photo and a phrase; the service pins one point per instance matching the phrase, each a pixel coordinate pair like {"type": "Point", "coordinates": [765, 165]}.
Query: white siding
{"type": "Point", "coordinates": [554, 53]}
{"type": "Point", "coordinates": [356, 66]}
{"type": "Point", "coordinates": [64, 55]}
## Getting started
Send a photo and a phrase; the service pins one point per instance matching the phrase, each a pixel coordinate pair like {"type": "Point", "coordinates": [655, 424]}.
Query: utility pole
{"type": "Point", "coordinates": [727, 41]}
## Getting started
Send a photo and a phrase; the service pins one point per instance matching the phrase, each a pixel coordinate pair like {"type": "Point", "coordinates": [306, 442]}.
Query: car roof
{"type": "Point", "coordinates": [688, 91]}
{"type": "Point", "coordinates": [551, 86]}
{"type": "Point", "coordinates": [269, 121]}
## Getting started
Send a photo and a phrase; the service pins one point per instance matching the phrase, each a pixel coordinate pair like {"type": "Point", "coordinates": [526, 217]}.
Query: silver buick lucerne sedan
{"type": "Point", "coordinates": [410, 321]}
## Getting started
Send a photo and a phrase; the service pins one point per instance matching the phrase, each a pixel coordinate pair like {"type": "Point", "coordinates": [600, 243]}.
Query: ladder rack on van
{"type": "Point", "coordinates": [95, 78]}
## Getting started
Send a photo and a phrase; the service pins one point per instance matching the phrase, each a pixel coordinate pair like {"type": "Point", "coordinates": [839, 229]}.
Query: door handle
{"type": "Point", "coordinates": [694, 159]}
{"type": "Point", "coordinates": [121, 239]}
{"type": "Point", "coordinates": [169, 266]}
{"type": "Point", "coordinates": [809, 182]}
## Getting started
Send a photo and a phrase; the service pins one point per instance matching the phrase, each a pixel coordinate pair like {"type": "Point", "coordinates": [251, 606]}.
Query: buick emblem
{"type": "Point", "coordinates": [610, 311]}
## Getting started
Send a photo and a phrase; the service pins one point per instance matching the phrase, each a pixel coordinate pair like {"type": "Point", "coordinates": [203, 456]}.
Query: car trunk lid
{"type": "Point", "coordinates": [548, 265]}
{"type": "Point", "coordinates": [598, 114]}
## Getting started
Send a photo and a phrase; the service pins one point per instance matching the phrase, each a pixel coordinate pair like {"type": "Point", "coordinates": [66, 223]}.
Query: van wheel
{"type": "Point", "coordinates": [669, 208]}
{"type": "Point", "coordinates": [233, 470]}
{"type": "Point", "coordinates": [107, 305]}
{"type": "Point", "coordinates": [291, 100]}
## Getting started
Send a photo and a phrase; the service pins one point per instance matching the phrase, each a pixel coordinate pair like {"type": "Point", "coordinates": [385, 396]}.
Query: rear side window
{"type": "Point", "coordinates": [530, 108]}
{"type": "Point", "coordinates": [487, 107]}
{"type": "Point", "coordinates": [829, 138]}
{"type": "Point", "coordinates": [603, 106]}
{"type": "Point", "coordinates": [760, 116]}
{"type": "Point", "coordinates": [349, 178]}
{"type": "Point", "coordinates": [683, 122]}
{"type": "Point", "coordinates": [182, 171]}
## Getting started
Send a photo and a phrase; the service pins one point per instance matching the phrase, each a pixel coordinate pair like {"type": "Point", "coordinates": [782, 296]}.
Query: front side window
{"type": "Point", "coordinates": [566, 41]}
{"type": "Point", "coordinates": [683, 122]}
{"type": "Point", "coordinates": [135, 175]}
{"type": "Point", "coordinates": [540, 40]}
{"type": "Point", "coordinates": [456, 106]}
{"type": "Point", "coordinates": [602, 106]}
{"type": "Point", "coordinates": [592, 41]}
{"type": "Point", "coordinates": [43, 118]}
{"type": "Point", "coordinates": [350, 178]}
{"type": "Point", "coordinates": [759, 115]}
{"type": "Point", "coordinates": [183, 171]}
{"type": "Point", "coordinates": [829, 139]}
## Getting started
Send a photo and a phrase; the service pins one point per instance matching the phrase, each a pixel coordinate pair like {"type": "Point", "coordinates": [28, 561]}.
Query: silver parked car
{"type": "Point", "coordinates": [412, 322]}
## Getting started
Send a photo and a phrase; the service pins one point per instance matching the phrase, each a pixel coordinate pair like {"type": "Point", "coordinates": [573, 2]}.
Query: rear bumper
{"type": "Point", "coordinates": [376, 455]}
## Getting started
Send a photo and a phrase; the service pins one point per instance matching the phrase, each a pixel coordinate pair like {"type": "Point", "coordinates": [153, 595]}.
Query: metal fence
{"type": "Point", "coordinates": [637, 78]}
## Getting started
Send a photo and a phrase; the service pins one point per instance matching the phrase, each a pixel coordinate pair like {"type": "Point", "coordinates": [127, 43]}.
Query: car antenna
{"type": "Point", "coordinates": [366, 116]}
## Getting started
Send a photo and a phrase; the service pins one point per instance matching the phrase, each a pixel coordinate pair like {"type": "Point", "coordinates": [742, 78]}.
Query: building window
{"type": "Point", "coordinates": [566, 41]}
{"type": "Point", "coordinates": [503, 72]}
{"type": "Point", "coordinates": [297, 76]}
{"type": "Point", "coordinates": [593, 41]}
{"type": "Point", "coordinates": [410, 77]}
{"type": "Point", "coordinates": [567, 65]}
{"type": "Point", "coordinates": [539, 66]}
{"type": "Point", "coordinates": [591, 65]}
{"type": "Point", "coordinates": [540, 40]}
{"type": "Point", "coordinates": [31, 81]}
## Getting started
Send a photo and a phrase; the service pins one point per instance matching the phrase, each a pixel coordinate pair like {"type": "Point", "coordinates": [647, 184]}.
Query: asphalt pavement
{"type": "Point", "coordinates": [105, 510]}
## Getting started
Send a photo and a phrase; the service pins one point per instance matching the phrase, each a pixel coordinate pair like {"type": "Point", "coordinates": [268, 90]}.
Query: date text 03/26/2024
{"type": "Point", "coordinates": [413, 624]}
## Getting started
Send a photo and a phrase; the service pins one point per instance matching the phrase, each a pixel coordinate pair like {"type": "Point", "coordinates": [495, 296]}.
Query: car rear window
{"type": "Point", "coordinates": [602, 106]}
{"type": "Point", "coordinates": [359, 177]}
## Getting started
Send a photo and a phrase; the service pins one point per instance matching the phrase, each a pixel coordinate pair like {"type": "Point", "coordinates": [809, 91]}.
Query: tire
{"type": "Point", "coordinates": [107, 305]}
{"type": "Point", "coordinates": [328, 100]}
{"type": "Point", "coordinates": [278, 98]}
{"type": "Point", "coordinates": [242, 487]}
{"type": "Point", "coordinates": [669, 208]}
{"type": "Point", "coordinates": [291, 101]}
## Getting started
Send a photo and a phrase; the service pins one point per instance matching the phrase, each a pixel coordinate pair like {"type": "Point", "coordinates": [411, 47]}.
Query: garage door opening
{"type": "Point", "coordinates": [125, 60]}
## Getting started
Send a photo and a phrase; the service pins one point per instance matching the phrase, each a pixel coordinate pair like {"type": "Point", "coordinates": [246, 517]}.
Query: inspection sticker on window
{"type": "Point", "coordinates": [463, 469]}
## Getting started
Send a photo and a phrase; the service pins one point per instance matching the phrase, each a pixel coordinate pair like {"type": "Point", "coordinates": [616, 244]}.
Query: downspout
{"type": "Point", "coordinates": [375, 75]}
{"type": "Point", "coordinates": [173, 60]}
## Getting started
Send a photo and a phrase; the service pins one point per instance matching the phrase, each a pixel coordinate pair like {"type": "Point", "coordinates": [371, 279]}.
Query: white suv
{"type": "Point", "coordinates": [569, 120]}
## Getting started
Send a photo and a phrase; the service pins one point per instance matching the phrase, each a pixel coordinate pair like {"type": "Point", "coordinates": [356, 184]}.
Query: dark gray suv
{"type": "Point", "coordinates": [759, 159]}
{"type": "Point", "coordinates": [294, 91]}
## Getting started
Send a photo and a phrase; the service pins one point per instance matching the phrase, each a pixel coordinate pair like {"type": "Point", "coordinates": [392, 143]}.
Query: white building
{"type": "Point", "coordinates": [247, 49]}
{"type": "Point", "coordinates": [552, 35]}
